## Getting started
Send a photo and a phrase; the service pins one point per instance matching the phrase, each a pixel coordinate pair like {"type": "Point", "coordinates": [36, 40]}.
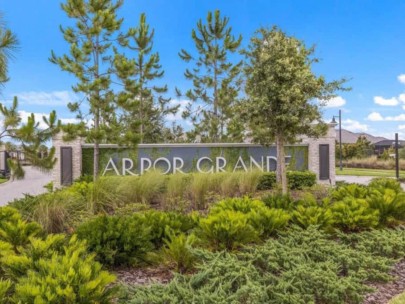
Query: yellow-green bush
{"type": "Point", "coordinates": [51, 270]}
{"type": "Point", "coordinates": [226, 229]}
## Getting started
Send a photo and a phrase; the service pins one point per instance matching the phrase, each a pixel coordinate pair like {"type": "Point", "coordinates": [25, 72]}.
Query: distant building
{"type": "Point", "coordinates": [349, 137]}
{"type": "Point", "coordinates": [381, 146]}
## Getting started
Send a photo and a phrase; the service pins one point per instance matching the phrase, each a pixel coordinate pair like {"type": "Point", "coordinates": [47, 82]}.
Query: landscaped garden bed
{"type": "Point", "coordinates": [222, 238]}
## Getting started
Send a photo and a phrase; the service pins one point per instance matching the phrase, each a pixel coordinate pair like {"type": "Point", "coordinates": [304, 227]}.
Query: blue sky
{"type": "Point", "coordinates": [360, 40]}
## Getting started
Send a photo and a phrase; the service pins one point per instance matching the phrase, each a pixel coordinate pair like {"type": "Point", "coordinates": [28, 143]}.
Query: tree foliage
{"type": "Point", "coordinates": [216, 80]}
{"type": "Point", "coordinates": [8, 46]}
{"type": "Point", "coordinates": [361, 149]}
{"type": "Point", "coordinates": [141, 98]}
{"type": "Point", "coordinates": [282, 89]}
{"type": "Point", "coordinates": [29, 136]}
{"type": "Point", "coordinates": [91, 40]}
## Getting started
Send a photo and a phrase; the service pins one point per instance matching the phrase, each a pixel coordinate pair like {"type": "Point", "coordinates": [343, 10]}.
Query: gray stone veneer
{"type": "Point", "coordinates": [313, 155]}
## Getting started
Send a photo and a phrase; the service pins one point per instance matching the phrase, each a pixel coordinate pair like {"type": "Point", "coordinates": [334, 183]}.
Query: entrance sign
{"type": "Point", "coordinates": [203, 165]}
{"type": "Point", "coordinates": [186, 158]}
{"type": "Point", "coordinates": [314, 154]}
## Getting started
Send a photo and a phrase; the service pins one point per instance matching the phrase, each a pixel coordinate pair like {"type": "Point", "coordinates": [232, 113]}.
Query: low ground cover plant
{"type": "Point", "coordinates": [301, 266]}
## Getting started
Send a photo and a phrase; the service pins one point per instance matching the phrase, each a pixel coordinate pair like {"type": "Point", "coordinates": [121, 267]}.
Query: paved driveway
{"type": "Point", "coordinates": [33, 183]}
{"type": "Point", "coordinates": [364, 180]}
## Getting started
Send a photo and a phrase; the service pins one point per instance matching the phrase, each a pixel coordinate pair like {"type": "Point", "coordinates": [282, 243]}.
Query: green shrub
{"type": "Point", "coordinates": [117, 240]}
{"type": "Point", "coordinates": [381, 184]}
{"type": "Point", "coordinates": [300, 180]}
{"type": "Point", "coordinates": [227, 230]}
{"type": "Point", "coordinates": [280, 201]}
{"type": "Point", "coordinates": [354, 214]}
{"type": "Point", "coordinates": [71, 276]}
{"type": "Point", "coordinates": [267, 181]}
{"type": "Point", "coordinates": [178, 251]}
{"type": "Point", "coordinates": [296, 180]}
{"type": "Point", "coordinates": [14, 230]}
{"type": "Point", "coordinates": [244, 205]}
{"type": "Point", "coordinates": [160, 222]}
{"type": "Point", "coordinates": [390, 205]}
{"type": "Point", "coordinates": [50, 270]}
{"type": "Point", "coordinates": [5, 286]}
{"type": "Point", "coordinates": [267, 221]}
{"type": "Point", "coordinates": [350, 190]}
{"type": "Point", "coordinates": [308, 212]}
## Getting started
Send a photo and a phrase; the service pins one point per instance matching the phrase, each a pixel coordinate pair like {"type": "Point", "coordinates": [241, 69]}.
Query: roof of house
{"type": "Point", "coordinates": [349, 137]}
{"type": "Point", "coordinates": [389, 143]}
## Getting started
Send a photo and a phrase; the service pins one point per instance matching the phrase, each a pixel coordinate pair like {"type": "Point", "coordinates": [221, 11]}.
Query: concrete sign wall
{"type": "Point", "coordinates": [184, 158]}
{"type": "Point", "coordinates": [206, 158]}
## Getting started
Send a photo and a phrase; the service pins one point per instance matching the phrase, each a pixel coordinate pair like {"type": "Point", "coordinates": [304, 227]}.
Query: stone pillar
{"type": "Point", "coordinates": [76, 145]}
{"type": "Point", "coordinates": [313, 154]}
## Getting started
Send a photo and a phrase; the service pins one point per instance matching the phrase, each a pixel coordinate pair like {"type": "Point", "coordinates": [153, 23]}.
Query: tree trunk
{"type": "Point", "coordinates": [281, 172]}
{"type": "Point", "coordinates": [96, 155]}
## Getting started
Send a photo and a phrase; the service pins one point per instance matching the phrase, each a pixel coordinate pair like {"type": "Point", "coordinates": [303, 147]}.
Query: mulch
{"type": "Point", "coordinates": [144, 276]}
{"type": "Point", "coordinates": [386, 291]}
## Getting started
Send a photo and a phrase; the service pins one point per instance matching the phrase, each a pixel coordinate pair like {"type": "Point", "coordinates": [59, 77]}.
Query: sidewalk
{"type": "Point", "coordinates": [33, 184]}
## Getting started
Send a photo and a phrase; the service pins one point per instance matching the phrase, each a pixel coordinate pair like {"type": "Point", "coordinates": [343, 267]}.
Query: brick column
{"type": "Point", "coordinates": [76, 145]}
{"type": "Point", "coordinates": [313, 154]}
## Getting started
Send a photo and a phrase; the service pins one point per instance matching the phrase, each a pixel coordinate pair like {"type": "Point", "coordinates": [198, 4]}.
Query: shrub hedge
{"type": "Point", "coordinates": [51, 269]}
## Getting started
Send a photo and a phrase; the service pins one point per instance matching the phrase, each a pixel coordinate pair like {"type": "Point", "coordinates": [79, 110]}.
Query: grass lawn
{"type": "Point", "coordinates": [368, 172]}
{"type": "Point", "coordinates": [2, 180]}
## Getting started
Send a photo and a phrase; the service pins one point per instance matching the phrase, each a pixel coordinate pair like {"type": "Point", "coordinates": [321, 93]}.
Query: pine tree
{"type": "Point", "coordinates": [216, 80]}
{"type": "Point", "coordinates": [141, 98]}
{"type": "Point", "coordinates": [8, 46]}
{"type": "Point", "coordinates": [30, 136]}
{"type": "Point", "coordinates": [92, 40]}
{"type": "Point", "coordinates": [281, 87]}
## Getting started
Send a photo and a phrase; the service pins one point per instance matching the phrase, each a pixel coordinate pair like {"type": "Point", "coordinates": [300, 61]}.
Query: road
{"type": "Point", "coordinates": [33, 183]}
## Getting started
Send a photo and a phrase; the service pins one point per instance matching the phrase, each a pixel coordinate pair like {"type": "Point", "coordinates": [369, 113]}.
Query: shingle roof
{"type": "Point", "coordinates": [349, 137]}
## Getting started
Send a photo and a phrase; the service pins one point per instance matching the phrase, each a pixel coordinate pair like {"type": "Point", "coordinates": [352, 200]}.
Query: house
{"type": "Point", "coordinates": [381, 146]}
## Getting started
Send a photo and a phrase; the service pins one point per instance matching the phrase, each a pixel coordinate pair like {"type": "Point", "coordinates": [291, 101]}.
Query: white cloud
{"type": "Point", "coordinates": [334, 102]}
{"type": "Point", "coordinates": [401, 78]}
{"type": "Point", "coordinates": [182, 107]}
{"type": "Point", "coordinates": [401, 97]}
{"type": "Point", "coordinates": [375, 116]}
{"type": "Point", "coordinates": [401, 127]}
{"type": "Point", "coordinates": [38, 118]}
{"type": "Point", "coordinates": [354, 125]}
{"type": "Point", "coordinates": [400, 117]}
{"type": "Point", "coordinates": [55, 98]}
{"type": "Point", "coordinates": [69, 120]}
{"type": "Point", "coordinates": [386, 102]}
